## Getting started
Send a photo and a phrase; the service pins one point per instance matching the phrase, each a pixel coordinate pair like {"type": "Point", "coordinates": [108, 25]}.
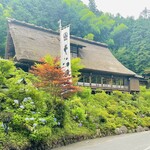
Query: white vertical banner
{"type": "Point", "coordinates": [65, 49]}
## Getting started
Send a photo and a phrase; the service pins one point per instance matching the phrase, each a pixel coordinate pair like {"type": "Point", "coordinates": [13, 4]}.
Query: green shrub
{"type": "Point", "coordinates": [41, 133]}
{"type": "Point", "coordinates": [145, 122]}
{"type": "Point", "coordinates": [14, 140]}
{"type": "Point", "coordinates": [35, 116]}
{"type": "Point", "coordinates": [85, 92]}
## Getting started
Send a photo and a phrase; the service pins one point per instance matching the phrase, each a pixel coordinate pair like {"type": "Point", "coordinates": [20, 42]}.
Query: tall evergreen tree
{"type": "Point", "coordinates": [145, 13]}
{"type": "Point", "coordinates": [92, 6]}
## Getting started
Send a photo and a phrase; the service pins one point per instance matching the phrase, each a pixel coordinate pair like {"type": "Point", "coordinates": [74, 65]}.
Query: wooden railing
{"type": "Point", "coordinates": [104, 86]}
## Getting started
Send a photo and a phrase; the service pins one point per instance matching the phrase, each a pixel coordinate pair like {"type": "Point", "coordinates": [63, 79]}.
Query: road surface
{"type": "Point", "coordinates": [134, 141]}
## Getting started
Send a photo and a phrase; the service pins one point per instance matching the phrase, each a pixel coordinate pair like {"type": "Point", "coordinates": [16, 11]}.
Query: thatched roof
{"type": "Point", "coordinates": [31, 43]}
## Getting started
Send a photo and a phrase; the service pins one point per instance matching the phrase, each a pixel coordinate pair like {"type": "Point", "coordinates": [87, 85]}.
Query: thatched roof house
{"type": "Point", "coordinates": [28, 43]}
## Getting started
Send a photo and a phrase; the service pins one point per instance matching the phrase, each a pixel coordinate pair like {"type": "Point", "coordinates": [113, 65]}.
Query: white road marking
{"type": "Point", "coordinates": [148, 148]}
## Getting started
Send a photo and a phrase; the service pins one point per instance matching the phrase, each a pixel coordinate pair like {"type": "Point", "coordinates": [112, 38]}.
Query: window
{"type": "Point", "coordinates": [74, 50]}
{"type": "Point", "coordinates": [93, 78]}
{"type": "Point", "coordinates": [107, 80]}
{"type": "Point", "coordinates": [99, 79]}
{"type": "Point", "coordinates": [86, 78]}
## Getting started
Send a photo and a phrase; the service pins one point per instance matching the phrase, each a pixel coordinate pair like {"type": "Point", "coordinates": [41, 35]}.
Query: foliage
{"type": "Point", "coordinates": [135, 47]}
{"type": "Point", "coordinates": [34, 118]}
{"type": "Point", "coordinates": [118, 34]}
{"type": "Point", "coordinates": [128, 38]}
{"type": "Point", "coordinates": [23, 109]}
{"type": "Point", "coordinates": [76, 66]}
{"type": "Point", "coordinates": [4, 12]}
{"type": "Point", "coordinates": [34, 115]}
{"type": "Point", "coordinates": [109, 112]}
{"type": "Point", "coordinates": [90, 36]}
{"type": "Point", "coordinates": [53, 79]}
{"type": "Point", "coordinates": [92, 6]}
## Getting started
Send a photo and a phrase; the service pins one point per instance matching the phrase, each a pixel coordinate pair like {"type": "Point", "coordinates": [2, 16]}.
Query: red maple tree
{"type": "Point", "coordinates": [52, 78]}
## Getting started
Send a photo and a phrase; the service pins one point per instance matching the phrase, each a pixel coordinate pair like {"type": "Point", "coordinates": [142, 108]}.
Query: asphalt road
{"type": "Point", "coordinates": [135, 141]}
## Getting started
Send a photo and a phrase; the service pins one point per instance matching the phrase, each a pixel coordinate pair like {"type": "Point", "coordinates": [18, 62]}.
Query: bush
{"type": "Point", "coordinates": [85, 92]}
{"type": "Point", "coordinates": [42, 133]}
{"type": "Point", "coordinates": [24, 108]}
{"type": "Point", "coordinates": [29, 115]}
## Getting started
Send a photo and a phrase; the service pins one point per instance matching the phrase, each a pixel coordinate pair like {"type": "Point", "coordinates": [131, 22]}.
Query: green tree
{"type": "Point", "coordinates": [4, 12]}
{"type": "Point", "coordinates": [118, 35]}
{"type": "Point", "coordinates": [129, 34]}
{"type": "Point", "coordinates": [145, 13]}
{"type": "Point", "coordinates": [90, 36]}
{"type": "Point", "coordinates": [92, 6]}
{"type": "Point", "coordinates": [76, 66]}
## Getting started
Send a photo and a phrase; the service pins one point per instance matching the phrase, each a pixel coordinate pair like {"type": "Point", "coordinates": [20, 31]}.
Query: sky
{"type": "Point", "coordinates": [124, 7]}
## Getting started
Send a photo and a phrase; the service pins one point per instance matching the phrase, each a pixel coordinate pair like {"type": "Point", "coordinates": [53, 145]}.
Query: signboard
{"type": "Point", "coordinates": [65, 49]}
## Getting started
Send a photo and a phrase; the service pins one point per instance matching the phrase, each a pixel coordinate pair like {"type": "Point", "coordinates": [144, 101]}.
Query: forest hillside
{"type": "Point", "coordinates": [128, 38]}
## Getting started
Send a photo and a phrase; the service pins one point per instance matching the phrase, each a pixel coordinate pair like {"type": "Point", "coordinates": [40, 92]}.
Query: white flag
{"type": "Point", "coordinates": [65, 49]}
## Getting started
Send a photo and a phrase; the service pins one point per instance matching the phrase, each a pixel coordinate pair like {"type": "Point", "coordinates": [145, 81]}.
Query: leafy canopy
{"type": "Point", "coordinates": [52, 77]}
